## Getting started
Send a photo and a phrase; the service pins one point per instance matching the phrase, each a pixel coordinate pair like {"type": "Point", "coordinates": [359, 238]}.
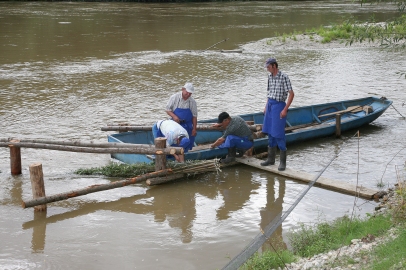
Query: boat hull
{"type": "Point", "coordinates": [309, 120]}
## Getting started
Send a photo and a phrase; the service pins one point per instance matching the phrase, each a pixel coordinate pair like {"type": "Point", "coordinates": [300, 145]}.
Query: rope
{"type": "Point", "coordinates": [260, 239]}
{"type": "Point", "coordinates": [398, 111]}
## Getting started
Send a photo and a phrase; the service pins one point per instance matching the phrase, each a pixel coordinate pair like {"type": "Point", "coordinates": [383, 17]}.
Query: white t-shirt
{"type": "Point", "coordinates": [171, 130]}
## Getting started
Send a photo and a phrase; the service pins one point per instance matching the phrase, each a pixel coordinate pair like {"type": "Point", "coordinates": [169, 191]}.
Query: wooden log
{"type": "Point", "coordinates": [15, 159]}
{"type": "Point", "coordinates": [94, 188]}
{"type": "Point", "coordinates": [37, 185]}
{"type": "Point", "coordinates": [338, 125]}
{"type": "Point", "coordinates": [135, 149]}
{"type": "Point", "coordinates": [148, 128]}
{"type": "Point", "coordinates": [165, 179]}
{"type": "Point", "coordinates": [160, 161]}
{"type": "Point", "coordinates": [83, 144]}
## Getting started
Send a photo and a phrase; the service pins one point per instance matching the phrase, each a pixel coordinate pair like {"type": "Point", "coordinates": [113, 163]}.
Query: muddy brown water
{"type": "Point", "coordinates": [67, 69]}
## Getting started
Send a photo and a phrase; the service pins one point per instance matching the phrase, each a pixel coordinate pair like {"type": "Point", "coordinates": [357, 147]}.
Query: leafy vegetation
{"type": "Point", "coordinates": [119, 170]}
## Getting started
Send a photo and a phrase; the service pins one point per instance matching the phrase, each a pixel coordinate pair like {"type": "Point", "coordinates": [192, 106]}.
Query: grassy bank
{"type": "Point", "coordinates": [391, 34]}
{"type": "Point", "coordinates": [309, 241]}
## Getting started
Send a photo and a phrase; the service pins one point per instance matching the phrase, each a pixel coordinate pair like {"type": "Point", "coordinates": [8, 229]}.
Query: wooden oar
{"type": "Point", "coordinates": [357, 108]}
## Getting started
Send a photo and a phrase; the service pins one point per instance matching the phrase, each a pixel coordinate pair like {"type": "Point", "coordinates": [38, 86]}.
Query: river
{"type": "Point", "coordinates": [69, 68]}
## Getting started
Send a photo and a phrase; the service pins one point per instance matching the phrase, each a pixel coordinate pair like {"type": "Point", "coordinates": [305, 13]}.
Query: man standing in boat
{"type": "Point", "coordinates": [183, 110]}
{"type": "Point", "coordinates": [175, 135]}
{"type": "Point", "coordinates": [279, 89]}
{"type": "Point", "coordinates": [237, 135]}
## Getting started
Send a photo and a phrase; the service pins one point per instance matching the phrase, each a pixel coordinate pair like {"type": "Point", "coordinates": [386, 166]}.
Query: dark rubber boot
{"type": "Point", "coordinates": [282, 163]}
{"type": "Point", "coordinates": [240, 152]}
{"type": "Point", "coordinates": [230, 157]}
{"type": "Point", "coordinates": [271, 157]}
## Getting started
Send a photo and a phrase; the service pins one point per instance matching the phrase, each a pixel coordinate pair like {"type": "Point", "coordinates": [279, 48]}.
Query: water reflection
{"type": "Point", "coordinates": [272, 212]}
{"type": "Point", "coordinates": [234, 191]}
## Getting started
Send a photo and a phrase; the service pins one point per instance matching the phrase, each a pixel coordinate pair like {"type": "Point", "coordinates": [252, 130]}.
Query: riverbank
{"type": "Point", "coordinates": [361, 253]}
{"type": "Point", "coordinates": [386, 251]}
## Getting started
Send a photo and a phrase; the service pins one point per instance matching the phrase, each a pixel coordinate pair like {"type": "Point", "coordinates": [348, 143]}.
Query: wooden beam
{"type": "Point", "coordinates": [357, 108]}
{"type": "Point", "coordinates": [322, 182]}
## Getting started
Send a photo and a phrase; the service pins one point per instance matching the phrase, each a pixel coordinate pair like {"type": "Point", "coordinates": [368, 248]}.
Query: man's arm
{"type": "Point", "coordinates": [284, 112]}
{"type": "Point", "coordinates": [174, 117]}
{"type": "Point", "coordinates": [218, 142]}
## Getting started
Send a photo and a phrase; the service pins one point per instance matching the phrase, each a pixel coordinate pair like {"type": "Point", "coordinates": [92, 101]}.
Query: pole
{"type": "Point", "coordinates": [92, 189]}
{"type": "Point", "coordinates": [15, 159]}
{"type": "Point", "coordinates": [37, 185]}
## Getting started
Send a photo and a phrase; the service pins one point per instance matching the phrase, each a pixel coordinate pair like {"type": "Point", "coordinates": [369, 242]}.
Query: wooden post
{"type": "Point", "coordinates": [338, 125]}
{"type": "Point", "coordinates": [160, 160]}
{"type": "Point", "coordinates": [15, 159]}
{"type": "Point", "coordinates": [37, 184]}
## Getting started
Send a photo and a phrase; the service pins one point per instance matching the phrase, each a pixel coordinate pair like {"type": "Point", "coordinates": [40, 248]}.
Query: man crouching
{"type": "Point", "coordinates": [237, 135]}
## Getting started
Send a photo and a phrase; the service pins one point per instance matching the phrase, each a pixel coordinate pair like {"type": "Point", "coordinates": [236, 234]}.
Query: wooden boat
{"type": "Point", "coordinates": [303, 123]}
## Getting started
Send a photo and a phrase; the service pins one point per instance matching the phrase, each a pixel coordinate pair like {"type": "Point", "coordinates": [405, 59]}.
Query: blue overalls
{"type": "Point", "coordinates": [237, 141]}
{"type": "Point", "coordinates": [274, 125]}
{"type": "Point", "coordinates": [186, 116]}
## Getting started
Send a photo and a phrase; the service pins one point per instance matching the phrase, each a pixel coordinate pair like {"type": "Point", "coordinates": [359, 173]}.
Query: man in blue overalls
{"type": "Point", "coordinates": [276, 110]}
{"type": "Point", "coordinates": [237, 135]}
{"type": "Point", "coordinates": [183, 110]}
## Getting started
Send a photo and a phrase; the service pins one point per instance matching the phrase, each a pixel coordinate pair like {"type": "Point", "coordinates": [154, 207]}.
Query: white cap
{"type": "Point", "coordinates": [189, 87]}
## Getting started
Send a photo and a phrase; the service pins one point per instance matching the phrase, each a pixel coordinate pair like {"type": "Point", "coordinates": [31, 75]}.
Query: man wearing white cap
{"type": "Point", "coordinates": [183, 110]}
{"type": "Point", "coordinates": [280, 96]}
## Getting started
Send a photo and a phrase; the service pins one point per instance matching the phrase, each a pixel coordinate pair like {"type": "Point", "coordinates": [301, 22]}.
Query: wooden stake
{"type": "Point", "coordinates": [37, 185]}
{"type": "Point", "coordinates": [15, 159]}
{"type": "Point", "coordinates": [160, 161]}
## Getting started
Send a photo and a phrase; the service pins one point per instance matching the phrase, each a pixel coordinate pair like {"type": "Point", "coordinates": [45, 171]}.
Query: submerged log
{"type": "Point", "coordinates": [134, 149]}
{"type": "Point", "coordinates": [165, 179]}
{"type": "Point", "coordinates": [94, 188]}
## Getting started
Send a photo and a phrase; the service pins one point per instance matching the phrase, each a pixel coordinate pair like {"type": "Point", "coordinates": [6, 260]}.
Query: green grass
{"type": "Point", "coordinates": [269, 260]}
{"type": "Point", "coordinates": [309, 241]}
{"type": "Point", "coordinates": [391, 254]}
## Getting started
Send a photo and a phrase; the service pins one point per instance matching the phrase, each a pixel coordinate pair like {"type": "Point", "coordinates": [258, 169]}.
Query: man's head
{"type": "Point", "coordinates": [271, 62]}
{"type": "Point", "coordinates": [187, 90]}
{"type": "Point", "coordinates": [183, 141]}
{"type": "Point", "coordinates": [224, 119]}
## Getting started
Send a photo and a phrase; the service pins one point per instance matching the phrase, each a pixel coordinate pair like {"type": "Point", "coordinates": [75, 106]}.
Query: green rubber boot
{"type": "Point", "coordinates": [282, 162]}
{"type": "Point", "coordinates": [271, 157]}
